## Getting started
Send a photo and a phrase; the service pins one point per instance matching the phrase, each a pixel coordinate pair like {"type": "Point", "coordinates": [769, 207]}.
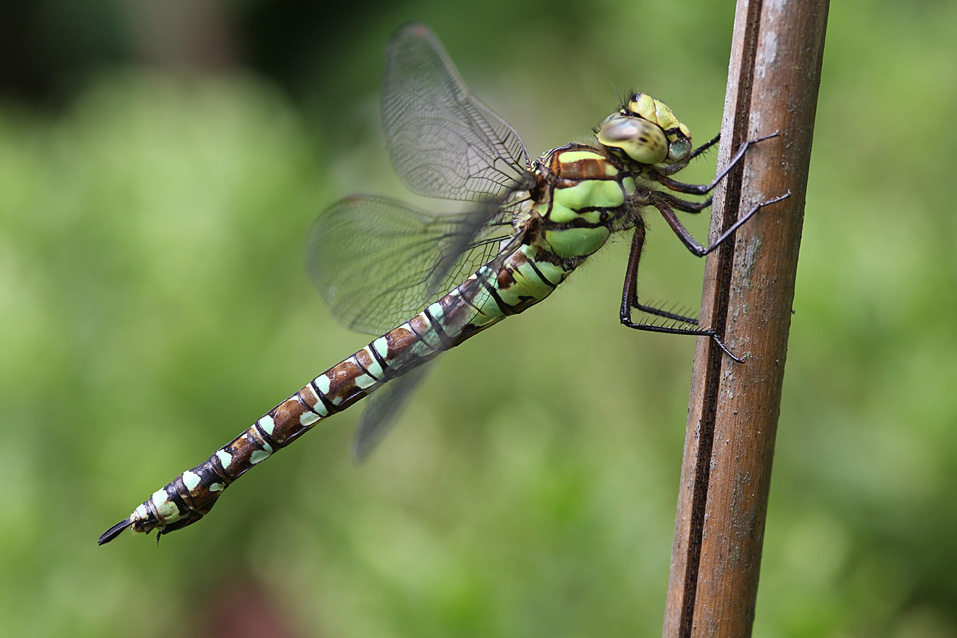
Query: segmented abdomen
{"type": "Point", "coordinates": [485, 298]}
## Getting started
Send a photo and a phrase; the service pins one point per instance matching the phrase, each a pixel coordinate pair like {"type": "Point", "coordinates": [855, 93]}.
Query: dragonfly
{"type": "Point", "coordinates": [377, 261]}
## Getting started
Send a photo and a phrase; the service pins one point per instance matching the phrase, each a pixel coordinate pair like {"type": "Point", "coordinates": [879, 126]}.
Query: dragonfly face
{"type": "Point", "coordinates": [647, 132]}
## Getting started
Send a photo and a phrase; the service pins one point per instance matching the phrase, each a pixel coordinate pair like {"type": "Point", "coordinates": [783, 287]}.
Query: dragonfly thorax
{"type": "Point", "coordinates": [646, 131]}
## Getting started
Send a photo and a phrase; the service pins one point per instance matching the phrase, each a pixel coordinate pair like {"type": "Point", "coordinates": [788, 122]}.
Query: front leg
{"type": "Point", "coordinates": [703, 189]}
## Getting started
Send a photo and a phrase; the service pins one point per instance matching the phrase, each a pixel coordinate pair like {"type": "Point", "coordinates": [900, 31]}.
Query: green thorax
{"type": "Point", "coordinates": [583, 196]}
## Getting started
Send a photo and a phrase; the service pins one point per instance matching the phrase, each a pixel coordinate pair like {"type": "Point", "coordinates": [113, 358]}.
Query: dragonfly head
{"type": "Point", "coordinates": [646, 131]}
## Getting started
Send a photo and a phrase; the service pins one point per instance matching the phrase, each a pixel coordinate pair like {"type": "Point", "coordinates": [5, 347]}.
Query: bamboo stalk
{"type": "Point", "coordinates": [773, 82]}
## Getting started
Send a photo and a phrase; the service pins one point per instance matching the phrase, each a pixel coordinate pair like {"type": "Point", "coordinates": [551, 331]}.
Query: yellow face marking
{"type": "Point", "coordinates": [658, 113]}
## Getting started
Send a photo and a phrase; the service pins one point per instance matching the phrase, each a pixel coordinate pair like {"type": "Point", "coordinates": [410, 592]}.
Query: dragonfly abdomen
{"type": "Point", "coordinates": [482, 300]}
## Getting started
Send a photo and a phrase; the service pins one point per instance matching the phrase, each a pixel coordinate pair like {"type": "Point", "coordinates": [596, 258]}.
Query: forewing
{"type": "Point", "coordinates": [444, 142]}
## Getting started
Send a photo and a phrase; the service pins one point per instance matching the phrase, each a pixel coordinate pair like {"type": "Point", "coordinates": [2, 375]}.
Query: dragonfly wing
{"type": "Point", "coordinates": [444, 142]}
{"type": "Point", "coordinates": [384, 406]}
{"type": "Point", "coordinates": [377, 261]}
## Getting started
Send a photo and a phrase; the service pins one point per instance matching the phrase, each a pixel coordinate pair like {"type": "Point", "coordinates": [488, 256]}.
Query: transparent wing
{"type": "Point", "coordinates": [443, 141]}
{"type": "Point", "coordinates": [384, 406]}
{"type": "Point", "coordinates": [377, 261]}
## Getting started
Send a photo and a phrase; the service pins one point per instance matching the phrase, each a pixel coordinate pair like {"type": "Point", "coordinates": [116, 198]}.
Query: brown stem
{"type": "Point", "coordinates": [773, 83]}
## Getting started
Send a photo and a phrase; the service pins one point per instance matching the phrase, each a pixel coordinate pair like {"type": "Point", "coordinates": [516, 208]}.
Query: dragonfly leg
{"type": "Point", "coordinates": [666, 314]}
{"type": "Point", "coordinates": [683, 204]}
{"type": "Point", "coordinates": [629, 300]}
{"type": "Point", "coordinates": [704, 147]}
{"type": "Point", "coordinates": [702, 189]}
{"type": "Point", "coordinates": [691, 243]}
{"type": "Point", "coordinates": [629, 295]}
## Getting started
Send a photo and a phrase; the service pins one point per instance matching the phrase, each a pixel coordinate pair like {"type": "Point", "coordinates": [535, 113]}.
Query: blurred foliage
{"type": "Point", "coordinates": [153, 304]}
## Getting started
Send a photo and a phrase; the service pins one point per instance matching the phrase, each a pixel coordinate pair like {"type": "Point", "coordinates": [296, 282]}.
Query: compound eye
{"type": "Point", "coordinates": [641, 140]}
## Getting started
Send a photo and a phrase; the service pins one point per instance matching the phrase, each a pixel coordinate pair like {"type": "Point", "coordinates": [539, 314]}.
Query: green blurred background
{"type": "Point", "coordinates": [159, 165]}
